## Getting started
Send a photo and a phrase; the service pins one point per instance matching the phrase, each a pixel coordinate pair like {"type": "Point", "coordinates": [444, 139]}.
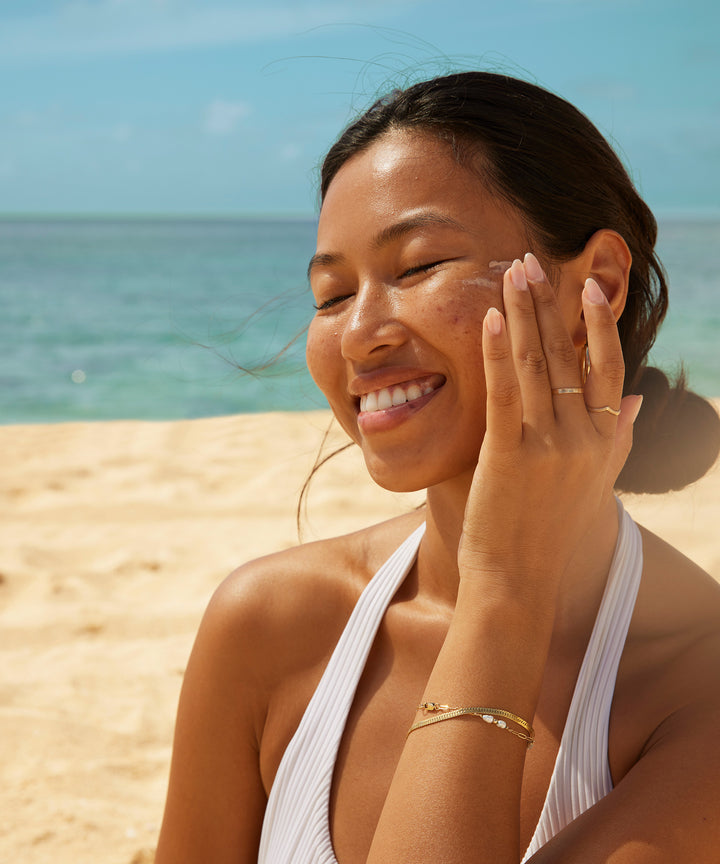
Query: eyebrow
{"type": "Point", "coordinates": [388, 235]}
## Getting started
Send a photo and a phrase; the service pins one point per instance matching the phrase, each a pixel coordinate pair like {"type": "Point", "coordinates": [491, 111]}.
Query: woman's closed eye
{"type": "Point", "coordinates": [422, 268]}
{"type": "Point", "coordinates": [411, 271]}
{"type": "Point", "coordinates": [332, 301]}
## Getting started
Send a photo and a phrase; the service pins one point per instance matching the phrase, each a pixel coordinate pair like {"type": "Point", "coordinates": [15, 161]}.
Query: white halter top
{"type": "Point", "coordinates": [296, 828]}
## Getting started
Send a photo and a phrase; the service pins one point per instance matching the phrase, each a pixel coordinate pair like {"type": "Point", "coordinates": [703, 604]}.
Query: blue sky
{"type": "Point", "coordinates": [214, 106]}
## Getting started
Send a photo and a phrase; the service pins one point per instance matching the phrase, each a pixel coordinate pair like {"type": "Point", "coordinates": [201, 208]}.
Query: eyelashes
{"type": "Point", "coordinates": [411, 271]}
{"type": "Point", "coordinates": [328, 304]}
{"type": "Point", "coordinates": [421, 268]}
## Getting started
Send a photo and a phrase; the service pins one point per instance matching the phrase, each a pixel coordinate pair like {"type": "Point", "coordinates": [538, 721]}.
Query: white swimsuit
{"type": "Point", "coordinates": [296, 829]}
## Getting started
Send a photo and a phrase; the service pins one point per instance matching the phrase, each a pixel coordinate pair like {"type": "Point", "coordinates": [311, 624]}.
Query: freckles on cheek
{"type": "Point", "coordinates": [464, 318]}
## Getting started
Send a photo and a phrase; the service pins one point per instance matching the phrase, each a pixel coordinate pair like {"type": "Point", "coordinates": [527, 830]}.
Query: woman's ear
{"type": "Point", "coordinates": [607, 259]}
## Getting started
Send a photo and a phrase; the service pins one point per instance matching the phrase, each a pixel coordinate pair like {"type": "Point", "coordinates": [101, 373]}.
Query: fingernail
{"type": "Point", "coordinates": [594, 293]}
{"type": "Point", "coordinates": [517, 274]}
{"type": "Point", "coordinates": [635, 407]}
{"type": "Point", "coordinates": [533, 269]}
{"type": "Point", "coordinates": [493, 321]}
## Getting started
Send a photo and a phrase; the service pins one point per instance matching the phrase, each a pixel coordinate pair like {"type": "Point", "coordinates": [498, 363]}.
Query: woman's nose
{"type": "Point", "coordinates": [372, 324]}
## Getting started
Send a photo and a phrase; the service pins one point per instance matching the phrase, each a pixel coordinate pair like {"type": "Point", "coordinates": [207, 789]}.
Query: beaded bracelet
{"type": "Point", "coordinates": [496, 716]}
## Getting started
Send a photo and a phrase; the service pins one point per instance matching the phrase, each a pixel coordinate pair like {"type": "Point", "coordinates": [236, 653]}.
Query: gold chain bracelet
{"type": "Point", "coordinates": [495, 716]}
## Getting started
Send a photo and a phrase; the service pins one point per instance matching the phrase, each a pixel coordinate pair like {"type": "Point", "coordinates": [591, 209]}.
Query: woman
{"type": "Point", "coordinates": [486, 293]}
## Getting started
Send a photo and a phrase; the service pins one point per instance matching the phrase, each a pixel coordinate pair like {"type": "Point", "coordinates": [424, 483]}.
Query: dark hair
{"type": "Point", "coordinates": [545, 158]}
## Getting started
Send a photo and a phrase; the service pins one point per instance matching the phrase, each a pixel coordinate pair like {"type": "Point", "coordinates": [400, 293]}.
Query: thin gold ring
{"type": "Point", "coordinates": [561, 391]}
{"type": "Point", "coordinates": [605, 408]}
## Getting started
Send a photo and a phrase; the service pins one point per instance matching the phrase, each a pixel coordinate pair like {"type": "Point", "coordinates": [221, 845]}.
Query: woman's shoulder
{"type": "Point", "coordinates": [677, 601]}
{"type": "Point", "coordinates": [671, 659]}
{"type": "Point", "coordinates": [342, 564]}
{"type": "Point", "coordinates": [289, 606]}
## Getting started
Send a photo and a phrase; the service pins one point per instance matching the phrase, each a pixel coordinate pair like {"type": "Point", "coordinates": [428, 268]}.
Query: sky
{"type": "Point", "coordinates": [221, 107]}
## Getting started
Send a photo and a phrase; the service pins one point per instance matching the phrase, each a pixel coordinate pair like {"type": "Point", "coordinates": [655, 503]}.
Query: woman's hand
{"type": "Point", "coordinates": [549, 459]}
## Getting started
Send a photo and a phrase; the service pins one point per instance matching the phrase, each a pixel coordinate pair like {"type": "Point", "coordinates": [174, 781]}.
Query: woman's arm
{"type": "Point", "coordinates": [216, 800]}
{"type": "Point", "coordinates": [667, 808]}
{"type": "Point", "coordinates": [545, 473]}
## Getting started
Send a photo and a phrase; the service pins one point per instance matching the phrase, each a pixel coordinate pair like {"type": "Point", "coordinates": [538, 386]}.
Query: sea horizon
{"type": "Point", "coordinates": [151, 316]}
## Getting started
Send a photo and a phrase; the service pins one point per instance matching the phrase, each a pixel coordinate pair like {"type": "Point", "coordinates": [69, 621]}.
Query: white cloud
{"type": "Point", "coordinates": [222, 117]}
{"type": "Point", "coordinates": [91, 27]}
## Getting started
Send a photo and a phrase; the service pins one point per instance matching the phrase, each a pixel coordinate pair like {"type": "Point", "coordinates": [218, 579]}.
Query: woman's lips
{"type": "Point", "coordinates": [403, 400]}
{"type": "Point", "coordinates": [410, 393]}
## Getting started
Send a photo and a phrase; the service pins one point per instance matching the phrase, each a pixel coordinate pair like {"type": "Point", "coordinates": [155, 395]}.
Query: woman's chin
{"type": "Point", "coordinates": [396, 475]}
{"type": "Point", "coordinates": [394, 484]}
{"type": "Point", "coordinates": [402, 475]}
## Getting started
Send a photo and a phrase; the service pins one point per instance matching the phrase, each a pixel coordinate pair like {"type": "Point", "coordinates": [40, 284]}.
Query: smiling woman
{"type": "Point", "coordinates": [406, 242]}
{"type": "Point", "coordinates": [486, 293]}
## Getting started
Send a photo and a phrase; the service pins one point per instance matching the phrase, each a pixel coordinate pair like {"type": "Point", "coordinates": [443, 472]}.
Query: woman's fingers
{"type": "Point", "coordinates": [629, 409]}
{"type": "Point", "coordinates": [611, 415]}
{"type": "Point", "coordinates": [563, 374]}
{"type": "Point", "coordinates": [504, 414]}
{"type": "Point", "coordinates": [545, 357]}
{"type": "Point", "coordinates": [528, 352]}
{"type": "Point", "coordinates": [604, 384]}
{"type": "Point", "coordinates": [532, 374]}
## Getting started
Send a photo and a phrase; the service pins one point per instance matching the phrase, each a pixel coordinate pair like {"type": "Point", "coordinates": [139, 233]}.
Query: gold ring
{"type": "Point", "coordinates": [605, 408]}
{"type": "Point", "coordinates": [561, 391]}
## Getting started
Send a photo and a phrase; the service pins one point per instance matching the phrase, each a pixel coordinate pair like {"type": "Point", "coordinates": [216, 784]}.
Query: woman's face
{"type": "Point", "coordinates": [408, 261]}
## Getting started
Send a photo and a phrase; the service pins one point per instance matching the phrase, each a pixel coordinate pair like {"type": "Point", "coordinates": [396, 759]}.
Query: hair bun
{"type": "Point", "coordinates": [676, 438]}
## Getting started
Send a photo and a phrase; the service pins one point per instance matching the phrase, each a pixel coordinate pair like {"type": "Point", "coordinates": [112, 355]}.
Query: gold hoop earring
{"type": "Point", "coordinates": [586, 365]}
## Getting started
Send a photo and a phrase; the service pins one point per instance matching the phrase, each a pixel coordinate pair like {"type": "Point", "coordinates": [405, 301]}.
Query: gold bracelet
{"type": "Point", "coordinates": [499, 712]}
{"type": "Point", "coordinates": [496, 716]}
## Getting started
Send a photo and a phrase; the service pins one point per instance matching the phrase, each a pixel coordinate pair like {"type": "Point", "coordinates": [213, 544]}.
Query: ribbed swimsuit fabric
{"type": "Point", "coordinates": [296, 828]}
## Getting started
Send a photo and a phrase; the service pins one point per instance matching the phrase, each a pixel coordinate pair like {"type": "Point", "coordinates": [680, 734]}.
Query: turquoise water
{"type": "Point", "coordinates": [149, 318]}
{"type": "Point", "coordinates": [146, 319]}
{"type": "Point", "coordinates": [690, 250]}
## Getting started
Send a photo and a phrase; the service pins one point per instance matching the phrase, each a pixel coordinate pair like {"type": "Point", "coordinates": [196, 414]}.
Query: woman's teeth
{"type": "Point", "coordinates": [390, 397]}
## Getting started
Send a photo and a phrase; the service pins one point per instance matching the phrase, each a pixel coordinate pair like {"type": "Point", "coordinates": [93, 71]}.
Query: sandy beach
{"type": "Point", "coordinates": [112, 538]}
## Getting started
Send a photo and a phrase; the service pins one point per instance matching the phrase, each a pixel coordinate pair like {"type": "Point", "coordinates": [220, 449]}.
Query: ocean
{"type": "Point", "coordinates": [155, 318]}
